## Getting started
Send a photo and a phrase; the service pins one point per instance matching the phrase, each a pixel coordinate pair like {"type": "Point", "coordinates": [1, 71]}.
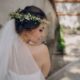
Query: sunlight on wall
{"type": "Point", "coordinates": [69, 14]}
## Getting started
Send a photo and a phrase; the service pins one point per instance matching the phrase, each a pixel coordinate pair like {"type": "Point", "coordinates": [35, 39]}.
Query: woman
{"type": "Point", "coordinates": [23, 56]}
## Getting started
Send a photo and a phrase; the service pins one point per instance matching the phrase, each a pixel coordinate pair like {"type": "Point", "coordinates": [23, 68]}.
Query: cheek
{"type": "Point", "coordinates": [36, 34]}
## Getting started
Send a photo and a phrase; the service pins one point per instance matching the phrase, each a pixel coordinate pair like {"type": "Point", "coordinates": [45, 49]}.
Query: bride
{"type": "Point", "coordinates": [23, 56]}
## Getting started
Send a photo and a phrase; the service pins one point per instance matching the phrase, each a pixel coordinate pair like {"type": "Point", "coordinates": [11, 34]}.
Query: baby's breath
{"type": "Point", "coordinates": [21, 17]}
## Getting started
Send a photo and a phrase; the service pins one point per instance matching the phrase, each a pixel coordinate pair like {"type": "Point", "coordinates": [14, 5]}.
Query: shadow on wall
{"type": "Point", "coordinates": [0, 26]}
{"type": "Point", "coordinates": [56, 47]}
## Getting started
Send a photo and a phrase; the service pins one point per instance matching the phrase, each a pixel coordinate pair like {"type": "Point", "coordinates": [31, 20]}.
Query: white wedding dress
{"type": "Point", "coordinates": [16, 61]}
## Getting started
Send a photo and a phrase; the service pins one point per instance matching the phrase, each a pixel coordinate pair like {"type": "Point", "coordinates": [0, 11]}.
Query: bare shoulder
{"type": "Point", "coordinates": [44, 53]}
{"type": "Point", "coordinates": [44, 48]}
{"type": "Point", "coordinates": [45, 57]}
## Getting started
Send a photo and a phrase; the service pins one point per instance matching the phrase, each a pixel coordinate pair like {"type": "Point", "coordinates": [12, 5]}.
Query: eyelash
{"type": "Point", "coordinates": [40, 30]}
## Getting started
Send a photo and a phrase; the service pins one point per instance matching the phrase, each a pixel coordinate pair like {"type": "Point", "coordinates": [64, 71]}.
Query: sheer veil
{"type": "Point", "coordinates": [15, 56]}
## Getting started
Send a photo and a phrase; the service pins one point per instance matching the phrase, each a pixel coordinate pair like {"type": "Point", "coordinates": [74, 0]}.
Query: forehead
{"type": "Point", "coordinates": [43, 25]}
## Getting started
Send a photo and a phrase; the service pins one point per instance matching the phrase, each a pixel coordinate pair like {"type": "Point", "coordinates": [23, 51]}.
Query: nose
{"type": "Point", "coordinates": [43, 36]}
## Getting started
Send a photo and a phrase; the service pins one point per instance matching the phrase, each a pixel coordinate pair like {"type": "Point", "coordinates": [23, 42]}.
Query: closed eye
{"type": "Point", "coordinates": [41, 30]}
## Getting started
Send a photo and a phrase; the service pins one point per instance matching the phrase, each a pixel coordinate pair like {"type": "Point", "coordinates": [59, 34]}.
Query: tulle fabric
{"type": "Point", "coordinates": [16, 61]}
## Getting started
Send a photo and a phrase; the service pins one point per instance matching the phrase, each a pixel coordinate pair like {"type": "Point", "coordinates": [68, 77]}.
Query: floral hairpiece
{"type": "Point", "coordinates": [28, 17]}
{"type": "Point", "coordinates": [21, 17]}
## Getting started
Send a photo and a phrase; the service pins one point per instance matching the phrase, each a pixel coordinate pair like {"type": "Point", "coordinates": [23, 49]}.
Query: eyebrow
{"type": "Point", "coordinates": [42, 28]}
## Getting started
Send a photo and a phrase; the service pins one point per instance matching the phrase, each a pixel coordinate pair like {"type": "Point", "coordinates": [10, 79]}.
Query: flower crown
{"type": "Point", "coordinates": [28, 17]}
{"type": "Point", "coordinates": [21, 17]}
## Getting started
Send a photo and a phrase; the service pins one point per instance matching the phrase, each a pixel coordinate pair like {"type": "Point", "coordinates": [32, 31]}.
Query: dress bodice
{"type": "Point", "coordinates": [15, 76]}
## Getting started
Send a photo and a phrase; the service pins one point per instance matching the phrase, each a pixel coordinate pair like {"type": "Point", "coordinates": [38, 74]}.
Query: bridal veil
{"type": "Point", "coordinates": [15, 55]}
